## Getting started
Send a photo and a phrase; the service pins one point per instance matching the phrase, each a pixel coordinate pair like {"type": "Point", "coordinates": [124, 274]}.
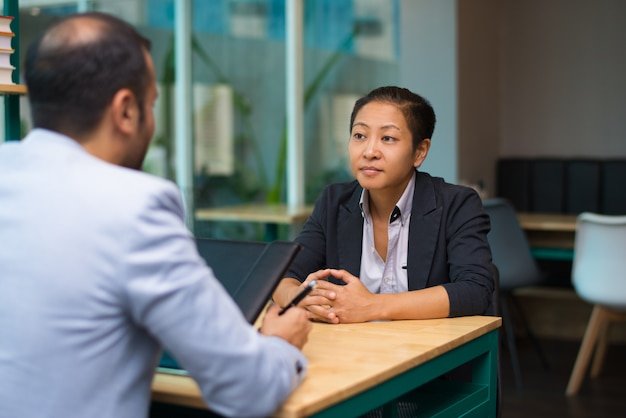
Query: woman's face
{"type": "Point", "coordinates": [381, 148]}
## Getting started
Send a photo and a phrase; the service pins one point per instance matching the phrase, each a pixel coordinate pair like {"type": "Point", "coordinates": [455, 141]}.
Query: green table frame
{"type": "Point", "coordinates": [441, 398]}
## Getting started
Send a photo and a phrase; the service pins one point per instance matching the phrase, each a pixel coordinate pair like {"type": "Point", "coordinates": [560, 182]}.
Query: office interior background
{"type": "Point", "coordinates": [507, 78]}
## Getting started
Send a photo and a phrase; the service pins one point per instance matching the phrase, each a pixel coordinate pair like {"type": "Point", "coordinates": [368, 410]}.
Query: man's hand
{"type": "Point", "coordinates": [293, 326]}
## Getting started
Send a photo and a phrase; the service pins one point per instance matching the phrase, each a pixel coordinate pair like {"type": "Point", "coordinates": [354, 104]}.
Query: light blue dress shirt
{"type": "Point", "coordinates": [97, 273]}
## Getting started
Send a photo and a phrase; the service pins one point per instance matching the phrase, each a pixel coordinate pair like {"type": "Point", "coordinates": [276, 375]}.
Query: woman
{"type": "Point", "coordinates": [395, 243]}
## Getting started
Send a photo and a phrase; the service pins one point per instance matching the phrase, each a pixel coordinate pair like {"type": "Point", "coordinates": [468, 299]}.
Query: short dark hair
{"type": "Point", "coordinates": [72, 77]}
{"type": "Point", "coordinates": [417, 111]}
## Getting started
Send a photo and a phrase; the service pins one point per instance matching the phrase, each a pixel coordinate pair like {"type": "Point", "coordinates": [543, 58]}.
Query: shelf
{"type": "Point", "coordinates": [13, 89]}
{"type": "Point", "coordinates": [12, 92]}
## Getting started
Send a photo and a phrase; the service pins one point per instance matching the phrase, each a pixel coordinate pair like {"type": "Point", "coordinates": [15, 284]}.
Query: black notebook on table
{"type": "Point", "coordinates": [248, 270]}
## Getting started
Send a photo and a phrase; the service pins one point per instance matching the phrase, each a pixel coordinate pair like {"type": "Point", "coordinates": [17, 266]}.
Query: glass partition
{"type": "Point", "coordinates": [239, 91]}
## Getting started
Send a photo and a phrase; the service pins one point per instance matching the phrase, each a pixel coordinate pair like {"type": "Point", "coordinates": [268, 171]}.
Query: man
{"type": "Point", "coordinates": [97, 270]}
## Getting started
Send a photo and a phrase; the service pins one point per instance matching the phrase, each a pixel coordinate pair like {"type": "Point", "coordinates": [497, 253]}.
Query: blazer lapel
{"type": "Point", "coordinates": [350, 234]}
{"type": "Point", "coordinates": [423, 232]}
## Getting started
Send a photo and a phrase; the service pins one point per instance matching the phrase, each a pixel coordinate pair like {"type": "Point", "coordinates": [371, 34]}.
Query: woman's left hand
{"type": "Point", "coordinates": [352, 302]}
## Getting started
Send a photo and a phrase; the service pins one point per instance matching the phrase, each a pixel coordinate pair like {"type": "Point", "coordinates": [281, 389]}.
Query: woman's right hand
{"type": "Point", "coordinates": [317, 303]}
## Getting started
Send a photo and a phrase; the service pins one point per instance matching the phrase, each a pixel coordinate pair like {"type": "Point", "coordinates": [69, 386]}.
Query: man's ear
{"type": "Point", "coordinates": [421, 152]}
{"type": "Point", "coordinates": [125, 111]}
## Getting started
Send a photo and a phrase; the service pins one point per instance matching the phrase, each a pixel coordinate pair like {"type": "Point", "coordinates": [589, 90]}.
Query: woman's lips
{"type": "Point", "coordinates": [370, 171]}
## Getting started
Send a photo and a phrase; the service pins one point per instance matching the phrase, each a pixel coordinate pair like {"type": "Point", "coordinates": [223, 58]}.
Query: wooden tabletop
{"type": "Point", "coordinates": [265, 213]}
{"type": "Point", "coordinates": [549, 232]}
{"type": "Point", "coordinates": [13, 89]}
{"type": "Point", "coordinates": [346, 359]}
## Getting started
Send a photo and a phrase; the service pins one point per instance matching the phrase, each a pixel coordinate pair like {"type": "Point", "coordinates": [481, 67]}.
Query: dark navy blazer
{"type": "Point", "coordinates": [447, 240]}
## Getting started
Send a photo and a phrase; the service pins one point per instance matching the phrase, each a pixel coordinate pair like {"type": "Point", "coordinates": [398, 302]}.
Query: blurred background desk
{"type": "Point", "coordinates": [551, 236]}
{"type": "Point", "coordinates": [553, 310]}
{"type": "Point", "coordinates": [272, 215]}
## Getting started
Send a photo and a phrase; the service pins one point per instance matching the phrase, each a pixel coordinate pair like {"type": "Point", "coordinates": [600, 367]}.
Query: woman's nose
{"type": "Point", "coordinates": [371, 148]}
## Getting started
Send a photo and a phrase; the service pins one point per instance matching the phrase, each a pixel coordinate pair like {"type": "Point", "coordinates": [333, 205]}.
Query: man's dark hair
{"type": "Point", "coordinates": [72, 74]}
{"type": "Point", "coordinates": [417, 111]}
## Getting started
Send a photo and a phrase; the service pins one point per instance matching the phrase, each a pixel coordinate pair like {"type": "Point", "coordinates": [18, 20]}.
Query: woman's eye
{"type": "Point", "coordinates": [388, 139]}
{"type": "Point", "coordinates": [358, 136]}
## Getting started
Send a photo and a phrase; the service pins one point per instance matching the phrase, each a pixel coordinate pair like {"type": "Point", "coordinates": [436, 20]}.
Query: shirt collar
{"type": "Point", "coordinates": [403, 207]}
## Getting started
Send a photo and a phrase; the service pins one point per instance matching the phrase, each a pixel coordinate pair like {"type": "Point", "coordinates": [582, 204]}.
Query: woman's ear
{"type": "Point", "coordinates": [421, 152]}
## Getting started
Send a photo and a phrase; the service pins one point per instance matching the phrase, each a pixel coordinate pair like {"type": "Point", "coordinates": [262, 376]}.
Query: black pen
{"type": "Point", "coordinates": [299, 298]}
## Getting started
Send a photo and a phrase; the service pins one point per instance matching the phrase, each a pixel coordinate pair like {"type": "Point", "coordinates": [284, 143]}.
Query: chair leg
{"type": "Point", "coordinates": [603, 339]}
{"type": "Point", "coordinates": [598, 317]}
{"type": "Point", "coordinates": [509, 333]}
{"type": "Point", "coordinates": [600, 352]}
{"type": "Point", "coordinates": [531, 335]}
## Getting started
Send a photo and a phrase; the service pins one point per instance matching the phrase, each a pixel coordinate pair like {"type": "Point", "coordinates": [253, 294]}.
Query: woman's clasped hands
{"type": "Point", "coordinates": [333, 303]}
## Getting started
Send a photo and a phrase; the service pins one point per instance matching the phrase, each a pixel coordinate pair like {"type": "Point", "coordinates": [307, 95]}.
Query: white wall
{"type": "Point", "coordinates": [564, 78]}
{"type": "Point", "coordinates": [479, 95]}
{"type": "Point", "coordinates": [507, 78]}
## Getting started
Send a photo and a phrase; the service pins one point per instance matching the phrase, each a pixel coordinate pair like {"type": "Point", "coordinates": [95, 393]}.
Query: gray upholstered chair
{"type": "Point", "coordinates": [517, 268]}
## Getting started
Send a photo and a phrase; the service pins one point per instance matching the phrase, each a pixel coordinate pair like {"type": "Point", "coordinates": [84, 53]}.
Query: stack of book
{"type": "Point", "coordinates": [6, 37]}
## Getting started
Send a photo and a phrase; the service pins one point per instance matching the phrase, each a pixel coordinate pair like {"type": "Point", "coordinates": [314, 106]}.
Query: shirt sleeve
{"type": "Point", "coordinates": [176, 298]}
